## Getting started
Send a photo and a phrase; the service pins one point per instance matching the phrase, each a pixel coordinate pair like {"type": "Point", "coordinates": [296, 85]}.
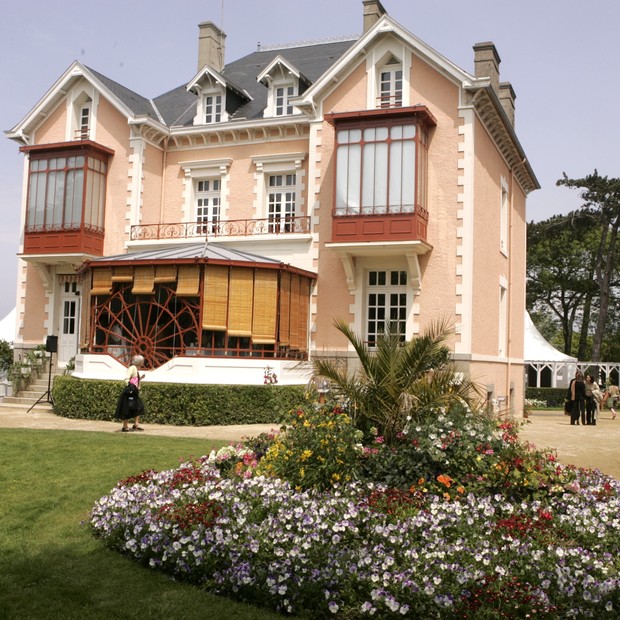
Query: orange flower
{"type": "Point", "coordinates": [445, 480]}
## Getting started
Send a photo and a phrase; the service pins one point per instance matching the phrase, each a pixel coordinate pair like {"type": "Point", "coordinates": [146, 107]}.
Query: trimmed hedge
{"type": "Point", "coordinates": [179, 403]}
{"type": "Point", "coordinates": [554, 397]}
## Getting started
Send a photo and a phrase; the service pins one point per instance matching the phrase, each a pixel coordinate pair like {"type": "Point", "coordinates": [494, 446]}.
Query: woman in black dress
{"type": "Point", "coordinates": [578, 399]}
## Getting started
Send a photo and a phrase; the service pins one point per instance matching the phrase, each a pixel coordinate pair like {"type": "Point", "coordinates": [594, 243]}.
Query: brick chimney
{"type": "Point", "coordinates": [486, 63]}
{"type": "Point", "coordinates": [507, 99]}
{"type": "Point", "coordinates": [210, 46]}
{"type": "Point", "coordinates": [373, 10]}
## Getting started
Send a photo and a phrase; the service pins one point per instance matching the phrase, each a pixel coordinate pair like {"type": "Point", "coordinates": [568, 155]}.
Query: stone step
{"type": "Point", "coordinates": [23, 399]}
{"type": "Point", "coordinates": [42, 407]}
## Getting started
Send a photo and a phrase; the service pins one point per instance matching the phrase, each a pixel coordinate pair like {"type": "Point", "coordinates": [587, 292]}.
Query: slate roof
{"type": "Point", "coordinates": [188, 251]}
{"type": "Point", "coordinates": [138, 104]}
{"type": "Point", "coordinates": [177, 107]}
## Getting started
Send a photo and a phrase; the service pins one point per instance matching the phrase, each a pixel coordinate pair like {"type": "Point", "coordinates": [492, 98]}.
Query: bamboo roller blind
{"type": "Point", "coordinates": [240, 302]}
{"type": "Point", "coordinates": [102, 282]}
{"type": "Point", "coordinates": [285, 309]}
{"type": "Point", "coordinates": [265, 307]}
{"type": "Point", "coordinates": [188, 280]}
{"type": "Point", "coordinates": [215, 298]}
{"type": "Point", "coordinates": [144, 280]}
{"type": "Point", "coordinates": [122, 274]}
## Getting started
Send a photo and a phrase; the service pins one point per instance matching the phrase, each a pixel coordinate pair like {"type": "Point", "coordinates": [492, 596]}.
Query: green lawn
{"type": "Point", "coordinates": [50, 564]}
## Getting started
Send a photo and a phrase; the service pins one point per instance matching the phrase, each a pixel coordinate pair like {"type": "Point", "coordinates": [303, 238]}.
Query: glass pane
{"type": "Point", "coordinates": [396, 176]}
{"type": "Point", "coordinates": [353, 178]}
{"type": "Point", "coordinates": [409, 131]}
{"type": "Point", "coordinates": [368, 178]}
{"type": "Point", "coordinates": [408, 176]}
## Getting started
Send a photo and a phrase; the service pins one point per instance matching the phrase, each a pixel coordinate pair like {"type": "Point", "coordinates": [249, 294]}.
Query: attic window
{"type": "Point", "coordinates": [390, 84]}
{"type": "Point", "coordinates": [213, 108]}
{"type": "Point", "coordinates": [282, 96]}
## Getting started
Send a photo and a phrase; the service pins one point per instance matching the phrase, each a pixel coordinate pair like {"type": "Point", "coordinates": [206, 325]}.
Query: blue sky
{"type": "Point", "coordinates": [561, 57]}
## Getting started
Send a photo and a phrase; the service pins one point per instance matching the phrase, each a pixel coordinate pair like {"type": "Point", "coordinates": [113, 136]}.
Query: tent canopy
{"type": "Point", "coordinates": [537, 349]}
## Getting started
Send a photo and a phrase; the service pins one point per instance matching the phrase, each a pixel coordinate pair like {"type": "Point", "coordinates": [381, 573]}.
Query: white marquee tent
{"type": "Point", "coordinates": [7, 327]}
{"type": "Point", "coordinates": [545, 365]}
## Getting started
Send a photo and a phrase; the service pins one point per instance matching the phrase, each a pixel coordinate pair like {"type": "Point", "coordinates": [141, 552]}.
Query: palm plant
{"type": "Point", "coordinates": [398, 382]}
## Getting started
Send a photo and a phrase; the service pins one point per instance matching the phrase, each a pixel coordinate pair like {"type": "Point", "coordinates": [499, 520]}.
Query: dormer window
{"type": "Point", "coordinates": [390, 84]}
{"type": "Point", "coordinates": [282, 95]}
{"type": "Point", "coordinates": [285, 83]}
{"type": "Point", "coordinates": [213, 108]}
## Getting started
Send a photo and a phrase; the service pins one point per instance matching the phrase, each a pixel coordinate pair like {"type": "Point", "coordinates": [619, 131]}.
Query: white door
{"type": "Point", "coordinates": [69, 312]}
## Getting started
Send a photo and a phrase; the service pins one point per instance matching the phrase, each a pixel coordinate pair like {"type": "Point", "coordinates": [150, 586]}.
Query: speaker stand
{"type": "Point", "coordinates": [48, 393]}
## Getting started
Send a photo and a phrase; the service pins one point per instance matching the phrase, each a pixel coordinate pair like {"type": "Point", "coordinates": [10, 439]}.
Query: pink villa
{"type": "Point", "coordinates": [220, 228]}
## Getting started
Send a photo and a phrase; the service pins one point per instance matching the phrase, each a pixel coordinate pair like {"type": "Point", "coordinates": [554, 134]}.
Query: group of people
{"type": "Point", "coordinates": [586, 399]}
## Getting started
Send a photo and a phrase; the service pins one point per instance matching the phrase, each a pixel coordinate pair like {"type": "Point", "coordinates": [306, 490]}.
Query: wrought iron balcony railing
{"type": "Point", "coordinates": [221, 228]}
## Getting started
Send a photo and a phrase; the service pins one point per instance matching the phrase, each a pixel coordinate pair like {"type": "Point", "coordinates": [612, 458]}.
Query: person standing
{"type": "Point", "coordinates": [577, 391]}
{"type": "Point", "coordinates": [130, 404]}
{"type": "Point", "coordinates": [613, 393]}
{"type": "Point", "coordinates": [593, 395]}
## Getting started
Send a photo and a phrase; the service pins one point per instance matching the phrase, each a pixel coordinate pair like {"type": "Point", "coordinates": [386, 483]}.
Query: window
{"type": "Point", "coordinates": [281, 198]}
{"type": "Point", "coordinates": [208, 201]}
{"type": "Point", "coordinates": [66, 193]}
{"type": "Point", "coordinates": [84, 123]}
{"type": "Point", "coordinates": [503, 217]}
{"type": "Point", "coordinates": [391, 85]}
{"type": "Point", "coordinates": [213, 108]}
{"type": "Point", "coordinates": [376, 169]}
{"type": "Point", "coordinates": [386, 304]}
{"type": "Point", "coordinates": [503, 319]}
{"type": "Point", "coordinates": [282, 96]}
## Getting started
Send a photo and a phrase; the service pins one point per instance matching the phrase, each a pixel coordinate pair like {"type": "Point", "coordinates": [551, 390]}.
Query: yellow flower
{"type": "Point", "coordinates": [336, 477]}
{"type": "Point", "coordinates": [305, 455]}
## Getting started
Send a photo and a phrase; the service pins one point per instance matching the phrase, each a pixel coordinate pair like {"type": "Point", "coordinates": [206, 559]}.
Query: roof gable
{"type": "Point", "coordinates": [126, 101]}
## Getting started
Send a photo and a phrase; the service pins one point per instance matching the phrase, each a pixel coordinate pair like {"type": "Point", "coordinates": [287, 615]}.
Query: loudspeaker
{"type": "Point", "coordinates": [51, 344]}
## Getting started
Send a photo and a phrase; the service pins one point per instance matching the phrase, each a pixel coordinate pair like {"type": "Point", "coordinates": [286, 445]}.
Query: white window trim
{"type": "Point", "coordinates": [502, 341]}
{"type": "Point", "coordinates": [270, 110]}
{"type": "Point", "coordinates": [277, 164]}
{"type": "Point", "coordinates": [75, 103]}
{"type": "Point", "coordinates": [201, 170]}
{"type": "Point", "coordinates": [201, 108]}
{"type": "Point", "coordinates": [376, 60]}
{"type": "Point", "coordinates": [504, 208]}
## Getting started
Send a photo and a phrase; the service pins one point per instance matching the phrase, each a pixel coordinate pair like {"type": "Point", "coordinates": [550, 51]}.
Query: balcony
{"type": "Point", "coordinates": [222, 228]}
{"type": "Point", "coordinates": [379, 225]}
{"type": "Point", "coordinates": [59, 240]}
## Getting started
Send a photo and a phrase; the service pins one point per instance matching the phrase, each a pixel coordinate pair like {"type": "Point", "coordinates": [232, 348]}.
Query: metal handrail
{"type": "Point", "coordinates": [284, 225]}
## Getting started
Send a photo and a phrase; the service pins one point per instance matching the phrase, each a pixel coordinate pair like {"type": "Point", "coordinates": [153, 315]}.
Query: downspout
{"type": "Point", "coordinates": [510, 278]}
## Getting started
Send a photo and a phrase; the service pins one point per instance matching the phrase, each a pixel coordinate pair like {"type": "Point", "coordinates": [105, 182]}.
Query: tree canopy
{"type": "Point", "coordinates": [573, 266]}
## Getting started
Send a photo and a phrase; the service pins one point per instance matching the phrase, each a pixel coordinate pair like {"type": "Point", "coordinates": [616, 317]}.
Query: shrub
{"type": "Point", "coordinates": [318, 448]}
{"type": "Point", "coordinates": [397, 379]}
{"type": "Point", "coordinates": [457, 453]}
{"type": "Point", "coordinates": [6, 355]}
{"type": "Point", "coordinates": [553, 397]}
{"type": "Point", "coordinates": [179, 404]}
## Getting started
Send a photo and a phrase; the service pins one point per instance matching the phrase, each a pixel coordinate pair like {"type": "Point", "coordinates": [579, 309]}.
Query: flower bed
{"type": "Point", "coordinates": [488, 537]}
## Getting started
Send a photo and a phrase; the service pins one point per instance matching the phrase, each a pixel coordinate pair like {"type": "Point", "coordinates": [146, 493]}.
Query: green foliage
{"type": "Point", "coordinates": [6, 355]}
{"type": "Point", "coordinates": [178, 404]}
{"type": "Point", "coordinates": [601, 204]}
{"type": "Point", "coordinates": [554, 397]}
{"type": "Point", "coordinates": [398, 379]}
{"type": "Point", "coordinates": [318, 448]}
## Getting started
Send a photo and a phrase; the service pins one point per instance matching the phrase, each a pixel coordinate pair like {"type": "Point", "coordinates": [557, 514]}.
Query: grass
{"type": "Point", "coordinates": [50, 564]}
